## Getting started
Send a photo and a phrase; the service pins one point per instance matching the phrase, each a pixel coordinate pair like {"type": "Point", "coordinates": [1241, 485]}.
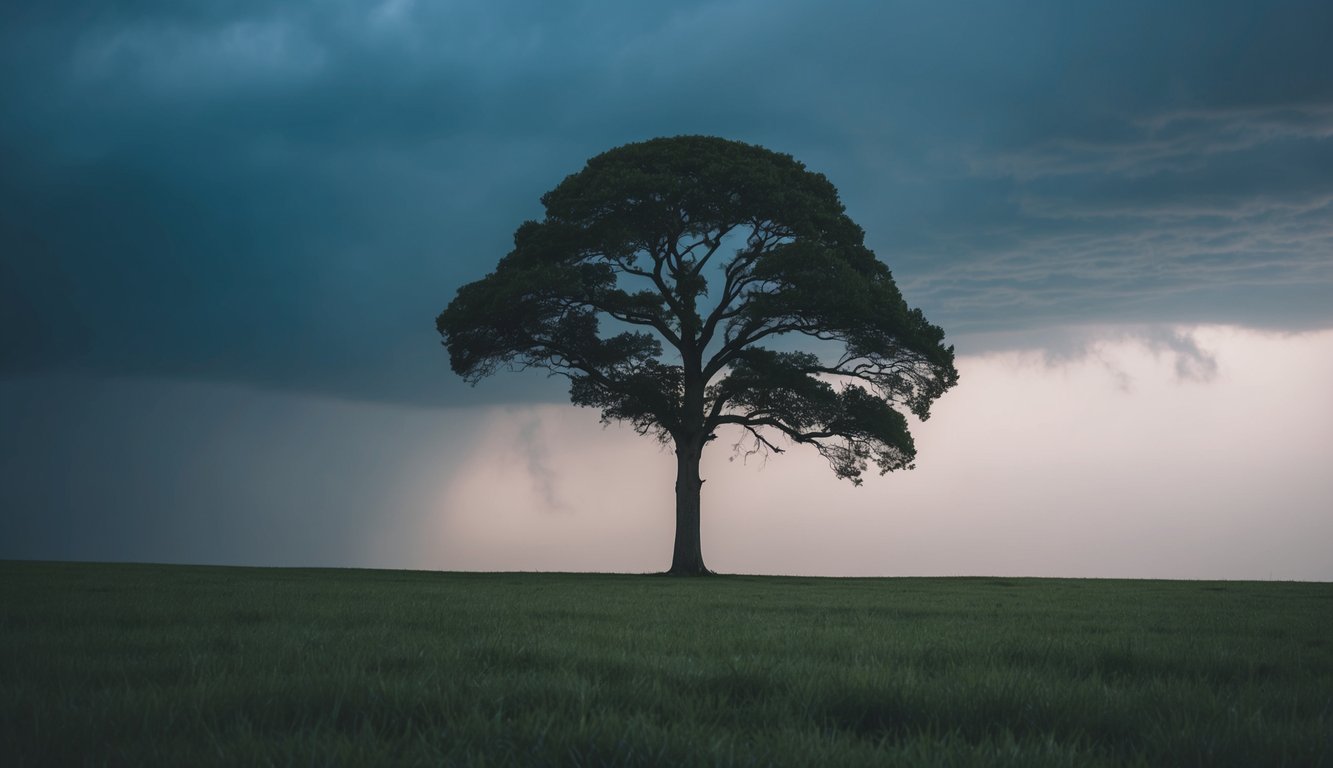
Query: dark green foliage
{"type": "Point", "coordinates": [173, 665]}
{"type": "Point", "coordinates": [634, 239]}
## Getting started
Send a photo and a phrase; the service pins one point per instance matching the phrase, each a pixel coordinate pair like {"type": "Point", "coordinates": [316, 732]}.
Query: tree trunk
{"type": "Point", "coordinates": [688, 559]}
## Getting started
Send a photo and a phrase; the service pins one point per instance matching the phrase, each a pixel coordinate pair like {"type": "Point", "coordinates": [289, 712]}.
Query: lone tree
{"type": "Point", "coordinates": [670, 281]}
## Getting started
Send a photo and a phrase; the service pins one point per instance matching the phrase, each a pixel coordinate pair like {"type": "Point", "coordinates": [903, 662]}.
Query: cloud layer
{"type": "Point", "coordinates": [285, 195]}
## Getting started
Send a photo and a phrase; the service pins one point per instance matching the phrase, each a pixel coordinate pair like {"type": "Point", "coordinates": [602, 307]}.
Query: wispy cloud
{"type": "Point", "coordinates": [1209, 213]}
{"type": "Point", "coordinates": [537, 458]}
{"type": "Point", "coordinates": [1173, 141]}
{"type": "Point", "coordinates": [1192, 361]}
{"type": "Point", "coordinates": [1186, 348]}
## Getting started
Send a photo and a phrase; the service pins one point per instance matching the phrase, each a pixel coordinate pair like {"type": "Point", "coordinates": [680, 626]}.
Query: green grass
{"type": "Point", "coordinates": [176, 665]}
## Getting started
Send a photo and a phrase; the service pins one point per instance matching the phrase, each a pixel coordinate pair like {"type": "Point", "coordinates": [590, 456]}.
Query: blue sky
{"type": "Point", "coordinates": [246, 215]}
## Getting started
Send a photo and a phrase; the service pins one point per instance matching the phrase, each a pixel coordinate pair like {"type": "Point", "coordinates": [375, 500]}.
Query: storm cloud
{"type": "Point", "coordinates": [284, 195]}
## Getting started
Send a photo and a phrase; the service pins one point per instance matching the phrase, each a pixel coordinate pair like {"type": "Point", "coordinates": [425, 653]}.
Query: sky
{"type": "Point", "coordinates": [226, 229]}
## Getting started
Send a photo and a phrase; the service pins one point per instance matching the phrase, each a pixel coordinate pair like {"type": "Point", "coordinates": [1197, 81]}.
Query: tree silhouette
{"type": "Point", "coordinates": [669, 282]}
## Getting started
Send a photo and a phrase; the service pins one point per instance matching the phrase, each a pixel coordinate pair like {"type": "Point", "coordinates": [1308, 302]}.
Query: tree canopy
{"type": "Point", "coordinates": [668, 281]}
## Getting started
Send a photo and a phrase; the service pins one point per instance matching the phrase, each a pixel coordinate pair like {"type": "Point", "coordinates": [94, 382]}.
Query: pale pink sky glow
{"type": "Point", "coordinates": [1125, 461]}
{"type": "Point", "coordinates": [1143, 452]}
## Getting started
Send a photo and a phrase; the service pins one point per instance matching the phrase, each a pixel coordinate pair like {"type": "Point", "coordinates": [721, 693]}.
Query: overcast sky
{"type": "Point", "coordinates": [226, 229]}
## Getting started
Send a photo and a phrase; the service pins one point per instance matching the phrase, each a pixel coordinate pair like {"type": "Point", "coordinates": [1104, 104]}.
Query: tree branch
{"type": "Point", "coordinates": [749, 422]}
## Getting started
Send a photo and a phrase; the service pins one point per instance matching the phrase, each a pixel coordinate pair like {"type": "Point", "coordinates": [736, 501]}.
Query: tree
{"type": "Point", "coordinates": [705, 259]}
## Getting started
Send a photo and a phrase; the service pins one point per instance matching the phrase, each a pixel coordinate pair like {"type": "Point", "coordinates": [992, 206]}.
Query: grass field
{"type": "Point", "coordinates": [178, 665]}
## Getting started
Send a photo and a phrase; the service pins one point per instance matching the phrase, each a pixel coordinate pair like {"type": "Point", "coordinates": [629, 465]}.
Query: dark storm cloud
{"type": "Point", "coordinates": [286, 194]}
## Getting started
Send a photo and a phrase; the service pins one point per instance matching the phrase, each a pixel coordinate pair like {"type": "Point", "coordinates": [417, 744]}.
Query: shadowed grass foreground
{"type": "Point", "coordinates": [175, 665]}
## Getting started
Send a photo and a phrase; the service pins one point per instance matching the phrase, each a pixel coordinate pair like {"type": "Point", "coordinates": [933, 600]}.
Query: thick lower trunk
{"type": "Point", "coordinates": [688, 559]}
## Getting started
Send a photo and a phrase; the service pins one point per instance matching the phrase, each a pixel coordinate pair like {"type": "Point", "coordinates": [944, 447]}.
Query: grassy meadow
{"type": "Point", "coordinates": [185, 665]}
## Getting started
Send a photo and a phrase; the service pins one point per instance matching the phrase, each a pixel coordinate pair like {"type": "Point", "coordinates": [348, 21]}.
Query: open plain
{"type": "Point", "coordinates": [175, 665]}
